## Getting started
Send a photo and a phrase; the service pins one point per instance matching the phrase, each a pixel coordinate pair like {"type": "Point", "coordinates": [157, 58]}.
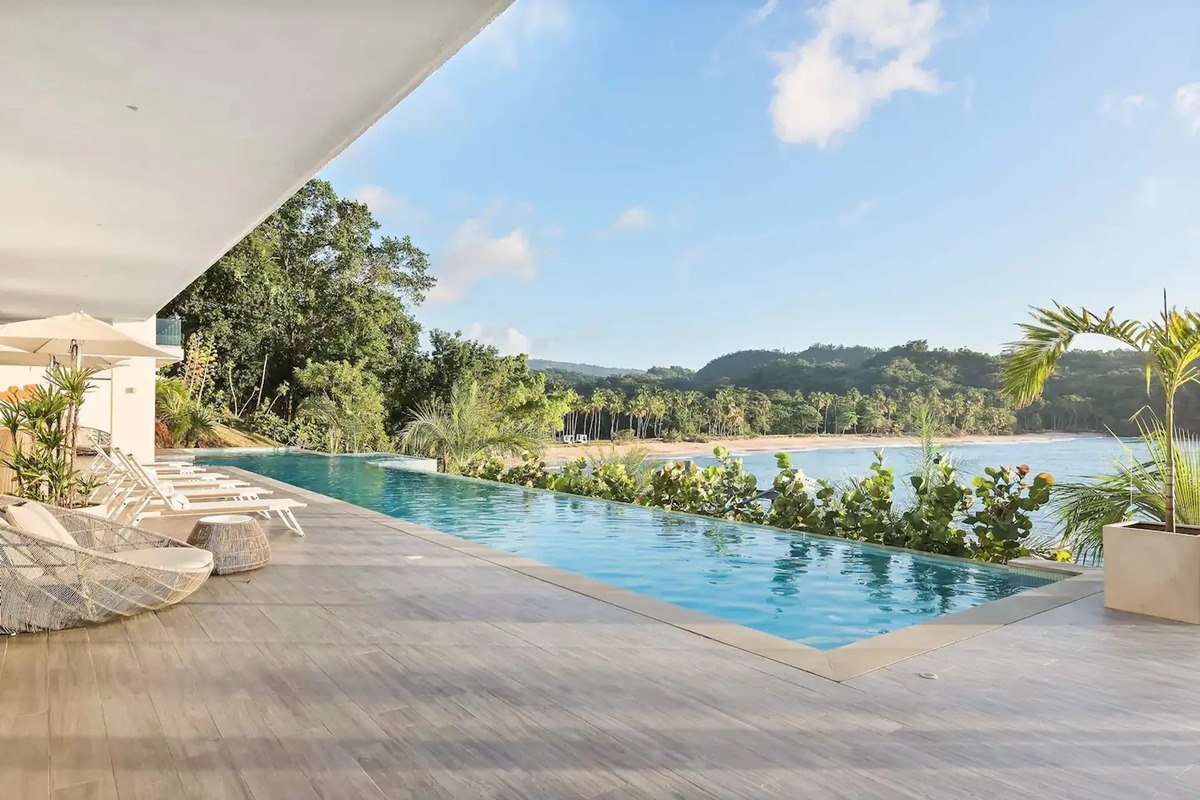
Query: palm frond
{"type": "Point", "coordinates": [1135, 488]}
{"type": "Point", "coordinates": [463, 429]}
{"type": "Point", "coordinates": [1029, 361]}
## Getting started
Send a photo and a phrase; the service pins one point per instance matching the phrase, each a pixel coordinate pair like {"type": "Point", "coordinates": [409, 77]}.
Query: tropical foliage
{"type": "Point", "coordinates": [464, 429]}
{"type": "Point", "coordinates": [1169, 347]}
{"type": "Point", "coordinates": [828, 389]}
{"type": "Point", "coordinates": [187, 419]}
{"type": "Point", "coordinates": [988, 519]}
{"type": "Point", "coordinates": [303, 332]}
{"type": "Point", "coordinates": [43, 426]}
{"type": "Point", "coordinates": [342, 410]}
{"type": "Point", "coordinates": [1135, 488]}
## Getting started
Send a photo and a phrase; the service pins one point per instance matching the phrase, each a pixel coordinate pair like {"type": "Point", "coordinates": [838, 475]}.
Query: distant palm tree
{"type": "Point", "coordinates": [1170, 346]}
{"type": "Point", "coordinates": [464, 429]}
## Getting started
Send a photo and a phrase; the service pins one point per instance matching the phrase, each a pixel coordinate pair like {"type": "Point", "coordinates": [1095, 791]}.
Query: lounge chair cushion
{"type": "Point", "coordinates": [182, 558]}
{"type": "Point", "coordinates": [36, 519]}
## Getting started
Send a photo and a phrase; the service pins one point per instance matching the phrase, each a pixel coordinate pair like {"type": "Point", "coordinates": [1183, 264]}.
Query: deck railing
{"type": "Point", "coordinates": [168, 332]}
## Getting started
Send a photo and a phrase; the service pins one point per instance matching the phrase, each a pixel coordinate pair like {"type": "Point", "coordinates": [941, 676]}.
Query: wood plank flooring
{"type": "Point", "coordinates": [365, 662]}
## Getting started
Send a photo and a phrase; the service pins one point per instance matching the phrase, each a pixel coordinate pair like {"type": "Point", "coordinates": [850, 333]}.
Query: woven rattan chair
{"type": "Point", "coordinates": [111, 571]}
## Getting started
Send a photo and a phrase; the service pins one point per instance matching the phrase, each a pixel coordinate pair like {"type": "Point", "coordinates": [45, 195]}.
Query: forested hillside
{"type": "Point", "coordinates": [837, 389]}
{"type": "Point", "coordinates": [592, 370]}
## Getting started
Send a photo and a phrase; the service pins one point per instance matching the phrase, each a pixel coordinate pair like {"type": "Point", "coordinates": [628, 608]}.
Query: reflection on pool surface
{"type": "Point", "coordinates": [821, 592]}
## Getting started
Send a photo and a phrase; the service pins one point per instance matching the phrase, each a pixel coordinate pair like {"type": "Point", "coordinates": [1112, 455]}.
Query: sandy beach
{"type": "Point", "coordinates": [558, 454]}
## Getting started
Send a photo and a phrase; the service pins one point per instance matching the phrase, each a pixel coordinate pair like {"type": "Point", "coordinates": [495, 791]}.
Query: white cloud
{"type": "Point", "coordinates": [509, 341]}
{"type": "Point", "coordinates": [391, 208]}
{"type": "Point", "coordinates": [1187, 104]}
{"type": "Point", "coordinates": [632, 219]}
{"type": "Point", "coordinates": [863, 52]}
{"type": "Point", "coordinates": [765, 10]}
{"type": "Point", "coordinates": [474, 254]}
{"type": "Point", "coordinates": [1193, 233]}
{"type": "Point", "coordinates": [1121, 108]}
{"type": "Point", "coordinates": [525, 22]}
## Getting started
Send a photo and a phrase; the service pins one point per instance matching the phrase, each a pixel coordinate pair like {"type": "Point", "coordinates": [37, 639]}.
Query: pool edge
{"type": "Point", "coordinates": [837, 664]}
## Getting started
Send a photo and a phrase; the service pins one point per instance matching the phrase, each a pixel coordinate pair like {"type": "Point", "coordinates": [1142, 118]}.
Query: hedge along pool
{"type": "Point", "coordinates": [818, 591]}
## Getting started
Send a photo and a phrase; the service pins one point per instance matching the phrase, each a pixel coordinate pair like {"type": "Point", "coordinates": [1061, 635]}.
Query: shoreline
{"type": "Point", "coordinates": [557, 455]}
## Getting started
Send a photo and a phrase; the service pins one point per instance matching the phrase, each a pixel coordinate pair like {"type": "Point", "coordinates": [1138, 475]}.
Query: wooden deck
{"type": "Point", "coordinates": [364, 662]}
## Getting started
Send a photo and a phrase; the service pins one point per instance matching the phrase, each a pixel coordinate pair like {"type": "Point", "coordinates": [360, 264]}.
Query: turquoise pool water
{"type": "Point", "coordinates": [824, 593]}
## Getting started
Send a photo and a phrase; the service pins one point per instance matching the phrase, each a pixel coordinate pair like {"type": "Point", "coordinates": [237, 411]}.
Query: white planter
{"type": "Point", "coordinates": [1152, 572]}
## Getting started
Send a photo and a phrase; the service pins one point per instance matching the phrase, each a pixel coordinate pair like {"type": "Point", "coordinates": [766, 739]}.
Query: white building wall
{"type": "Point", "coordinates": [121, 400]}
{"type": "Point", "coordinates": [133, 397]}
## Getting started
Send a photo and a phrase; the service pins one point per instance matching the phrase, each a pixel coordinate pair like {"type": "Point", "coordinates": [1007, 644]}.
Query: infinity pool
{"type": "Point", "coordinates": [822, 592]}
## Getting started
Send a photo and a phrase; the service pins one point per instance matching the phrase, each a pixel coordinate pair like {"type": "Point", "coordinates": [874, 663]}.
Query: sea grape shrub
{"type": "Point", "coordinates": [612, 481]}
{"type": "Point", "coordinates": [736, 489]}
{"type": "Point", "coordinates": [1002, 524]}
{"type": "Point", "coordinates": [678, 486]}
{"type": "Point", "coordinates": [930, 523]}
{"type": "Point", "coordinates": [489, 469]}
{"type": "Point", "coordinates": [724, 490]}
{"type": "Point", "coordinates": [530, 473]}
{"type": "Point", "coordinates": [860, 508]}
{"type": "Point", "coordinates": [938, 520]}
{"type": "Point", "coordinates": [794, 506]}
{"type": "Point", "coordinates": [574, 478]}
{"type": "Point", "coordinates": [865, 508]}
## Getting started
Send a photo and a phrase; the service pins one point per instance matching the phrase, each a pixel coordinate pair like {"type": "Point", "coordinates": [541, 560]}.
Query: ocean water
{"type": "Point", "coordinates": [1067, 459]}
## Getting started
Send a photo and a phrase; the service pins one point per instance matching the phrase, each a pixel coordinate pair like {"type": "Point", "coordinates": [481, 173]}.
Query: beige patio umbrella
{"type": "Point", "coordinates": [79, 337]}
{"type": "Point", "coordinates": [76, 335]}
{"type": "Point", "coordinates": [12, 357]}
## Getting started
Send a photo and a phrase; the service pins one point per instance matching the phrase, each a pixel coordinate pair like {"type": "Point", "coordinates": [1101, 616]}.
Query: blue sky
{"type": "Point", "coordinates": [637, 183]}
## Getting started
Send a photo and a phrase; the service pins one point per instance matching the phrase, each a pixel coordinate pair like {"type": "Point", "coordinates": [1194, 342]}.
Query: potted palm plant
{"type": "Point", "coordinates": [1150, 567]}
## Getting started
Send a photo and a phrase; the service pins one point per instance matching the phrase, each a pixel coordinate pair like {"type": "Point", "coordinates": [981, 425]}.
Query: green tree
{"type": "Point", "coordinates": [343, 407]}
{"type": "Point", "coordinates": [314, 282]}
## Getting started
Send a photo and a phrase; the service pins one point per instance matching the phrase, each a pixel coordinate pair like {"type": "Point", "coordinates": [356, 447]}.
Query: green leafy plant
{"type": "Point", "coordinates": [863, 508]}
{"type": "Point", "coordinates": [724, 490]}
{"type": "Point", "coordinates": [463, 430]}
{"type": "Point", "coordinates": [343, 410]}
{"type": "Point", "coordinates": [1134, 487]}
{"type": "Point", "coordinates": [1003, 523]}
{"type": "Point", "coordinates": [1170, 347]}
{"type": "Point", "coordinates": [930, 523]}
{"type": "Point", "coordinates": [43, 427]}
{"type": "Point", "coordinates": [188, 420]}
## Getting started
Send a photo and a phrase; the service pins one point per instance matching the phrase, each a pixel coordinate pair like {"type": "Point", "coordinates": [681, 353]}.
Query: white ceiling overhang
{"type": "Point", "coordinates": [140, 140]}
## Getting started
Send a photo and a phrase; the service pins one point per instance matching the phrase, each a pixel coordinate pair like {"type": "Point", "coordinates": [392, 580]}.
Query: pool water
{"type": "Point", "coordinates": [822, 592]}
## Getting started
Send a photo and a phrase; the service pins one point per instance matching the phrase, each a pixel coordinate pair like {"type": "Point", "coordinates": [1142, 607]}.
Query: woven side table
{"type": "Point", "coordinates": [237, 542]}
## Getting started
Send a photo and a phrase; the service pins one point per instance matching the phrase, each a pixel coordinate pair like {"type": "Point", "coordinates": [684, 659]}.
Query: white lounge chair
{"type": "Point", "coordinates": [194, 489]}
{"type": "Point", "coordinates": [266, 506]}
